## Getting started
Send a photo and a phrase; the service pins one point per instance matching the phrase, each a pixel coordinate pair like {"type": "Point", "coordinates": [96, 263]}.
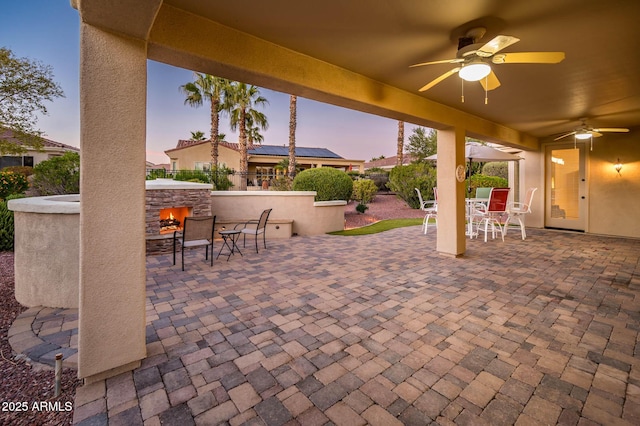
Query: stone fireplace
{"type": "Point", "coordinates": [168, 203]}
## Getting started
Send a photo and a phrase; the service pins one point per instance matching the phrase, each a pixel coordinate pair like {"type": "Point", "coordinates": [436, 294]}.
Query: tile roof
{"type": "Point", "coordinates": [388, 162]}
{"type": "Point", "coordinates": [8, 135]}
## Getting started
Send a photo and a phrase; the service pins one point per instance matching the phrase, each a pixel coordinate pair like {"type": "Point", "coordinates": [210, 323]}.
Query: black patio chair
{"type": "Point", "coordinates": [260, 228]}
{"type": "Point", "coordinates": [197, 232]}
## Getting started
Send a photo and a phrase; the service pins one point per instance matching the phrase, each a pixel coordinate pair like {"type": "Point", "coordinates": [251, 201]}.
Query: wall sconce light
{"type": "Point", "coordinates": [618, 166]}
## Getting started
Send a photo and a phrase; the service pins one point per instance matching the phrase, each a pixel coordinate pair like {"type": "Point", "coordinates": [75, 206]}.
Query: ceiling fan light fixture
{"type": "Point", "coordinates": [474, 71]}
{"type": "Point", "coordinates": [583, 135]}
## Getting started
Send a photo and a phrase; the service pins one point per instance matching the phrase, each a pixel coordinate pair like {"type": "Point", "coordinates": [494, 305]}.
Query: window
{"type": "Point", "coordinates": [27, 161]}
{"type": "Point", "coordinates": [200, 165]}
{"type": "Point", "coordinates": [264, 173]}
{"type": "Point", "coordinates": [9, 161]}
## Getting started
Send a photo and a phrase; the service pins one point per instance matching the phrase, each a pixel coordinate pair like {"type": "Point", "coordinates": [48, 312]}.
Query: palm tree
{"type": "Point", "coordinates": [400, 146]}
{"type": "Point", "coordinates": [240, 101]}
{"type": "Point", "coordinates": [197, 136]}
{"type": "Point", "coordinates": [212, 89]}
{"type": "Point", "coordinates": [293, 111]}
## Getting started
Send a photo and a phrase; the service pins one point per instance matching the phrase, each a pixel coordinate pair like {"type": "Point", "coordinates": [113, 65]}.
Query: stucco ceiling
{"type": "Point", "coordinates": [599, 79]}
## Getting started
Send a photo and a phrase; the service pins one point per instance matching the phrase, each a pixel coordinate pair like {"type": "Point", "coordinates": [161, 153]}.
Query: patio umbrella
{"type": "Point", "coordinates": [479, 153]}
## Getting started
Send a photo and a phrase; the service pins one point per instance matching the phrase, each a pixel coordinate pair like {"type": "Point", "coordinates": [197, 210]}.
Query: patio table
{"type": "Point", "coordinates": [229, 238]}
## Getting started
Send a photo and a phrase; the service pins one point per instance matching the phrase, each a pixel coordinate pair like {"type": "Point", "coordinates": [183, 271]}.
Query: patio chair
{"type": "Point", "coordinates": [260, 228]}
{"type": "Point", "coordinates": [519, 210]}
{"type": "Point", "coordinates": [197, 232]}
{"type": "Point", "coordinates": [483, 193]}
{"type": "Point", "coordinates": [493, 214]}
{"type": "Point", "coordinates": [431, 212]}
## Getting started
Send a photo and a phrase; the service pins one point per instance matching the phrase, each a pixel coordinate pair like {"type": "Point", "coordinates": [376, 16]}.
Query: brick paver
{"type": "Point", "coordinates": [380, 329]}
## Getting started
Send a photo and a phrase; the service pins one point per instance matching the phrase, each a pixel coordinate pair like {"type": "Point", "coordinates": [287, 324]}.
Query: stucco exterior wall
{"type": "Point", "coordinates": [614, 199]}
{"type": "Point", "coordinates": [188, 157]}
{"type": "Point", "coordinates": [309, 218]}
{"type": "Point", "coordinates": [46, 250]}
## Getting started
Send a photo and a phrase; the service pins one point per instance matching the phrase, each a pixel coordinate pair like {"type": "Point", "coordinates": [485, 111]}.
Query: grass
{"type": "Point", "coordinates": [383, 225]}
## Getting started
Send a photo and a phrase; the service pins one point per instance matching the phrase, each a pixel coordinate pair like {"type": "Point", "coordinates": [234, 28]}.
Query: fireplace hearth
{"type": "Point", "coordinates": [168, 203]}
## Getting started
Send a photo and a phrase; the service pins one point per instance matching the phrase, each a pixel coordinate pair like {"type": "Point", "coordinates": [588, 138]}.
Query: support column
{"type": "Point", "coordinates": [113, 83]}
{"type": "Point", "coordinates": [451, 193]}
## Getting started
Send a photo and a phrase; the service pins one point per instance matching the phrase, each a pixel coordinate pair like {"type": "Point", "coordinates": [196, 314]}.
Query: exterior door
{"type": "Point", "coordinates": [566, 187]}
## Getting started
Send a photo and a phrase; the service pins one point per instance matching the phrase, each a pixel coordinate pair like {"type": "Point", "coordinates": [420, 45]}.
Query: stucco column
{"type": "Point", "coordinates": [451, 193]}
{"type": "Point", "coordinates": [113, 80]}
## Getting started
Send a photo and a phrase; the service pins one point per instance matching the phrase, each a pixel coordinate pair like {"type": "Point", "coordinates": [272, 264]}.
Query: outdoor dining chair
{"type": "Point", "coordinates": [493, 214]}
{"type": "Point", "coordinates": [197, 232]}
{"type": "Point", "coordinates": [430, 207]}
{"type": "Point", "coordinates": [260, 228]}
{"type": "Point", "coordinates": [519, 210]}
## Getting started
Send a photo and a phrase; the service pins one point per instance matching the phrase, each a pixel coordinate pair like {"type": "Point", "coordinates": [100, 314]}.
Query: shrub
{"type": "Point", "coordinates": [403, 180]}
{"type": "Point", "coordinates": [361, 208]}
{"type": "Point", "coordinates": [12, 183]}
{"type": "Point", "coordinates": [482, 181]}
{"type": "Point", "coordinates": [329, 183]}
{"type": "Point", "coordinates": [221, 182]}
{"type": "Point", "coordinates": [500, 169]}
{"type": "Point", "coordinates": [26, 171]}
{"type": "Point", "coordinates": [57, 175]}
{"type": "Point", "coordinates": [6, 225]}
{"type": "Point", "coordinates": [364, 190]}
{"type": "Point", "coordinates": [380, 178]}
{"type": "Point", "coordinates": [281, 183]}
{"type": "Point", "coordinates": [156, 174]}
{"type": "Point", "coordinates": [192, 176]}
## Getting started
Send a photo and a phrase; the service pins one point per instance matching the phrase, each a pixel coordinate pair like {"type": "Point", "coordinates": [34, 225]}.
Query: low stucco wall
{"type": "Point", "coordinates": [309, 217]}
{"type": "Point", "coordinates": [46, 250]}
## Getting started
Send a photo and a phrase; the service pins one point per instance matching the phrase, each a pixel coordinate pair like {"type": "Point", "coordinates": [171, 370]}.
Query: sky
{"type": "Point", "coordinates": [48, 31]}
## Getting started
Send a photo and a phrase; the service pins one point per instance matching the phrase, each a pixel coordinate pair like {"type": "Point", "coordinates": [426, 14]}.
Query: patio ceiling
{"type": "Point", "coordinates": [379, 40]}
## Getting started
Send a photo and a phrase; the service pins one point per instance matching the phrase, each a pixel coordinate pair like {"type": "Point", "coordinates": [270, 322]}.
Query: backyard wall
{"type": "Point", "coordinates": [309, 217]}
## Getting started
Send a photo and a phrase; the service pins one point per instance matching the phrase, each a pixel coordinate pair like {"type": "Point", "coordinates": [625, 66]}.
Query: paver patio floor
{"type": "Point", "coordinates": [382, 330]}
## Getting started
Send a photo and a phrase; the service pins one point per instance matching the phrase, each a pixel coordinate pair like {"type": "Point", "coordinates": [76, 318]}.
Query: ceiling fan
{"type": "Point", "coordinates": [587, 132]}
{"type": "Point", "coordinates": [473, 59]}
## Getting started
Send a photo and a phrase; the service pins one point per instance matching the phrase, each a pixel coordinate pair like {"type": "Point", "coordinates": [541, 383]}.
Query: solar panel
{"type": "Point", "coordinates": [283, 151]}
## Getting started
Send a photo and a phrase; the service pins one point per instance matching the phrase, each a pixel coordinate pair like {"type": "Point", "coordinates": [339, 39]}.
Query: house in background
{"type": "Point", "coordinates": [262, 159]}
{"type": "Point", "coordinates": [388, 163]}
{"type": "Point", "coordinates": [32, 156]}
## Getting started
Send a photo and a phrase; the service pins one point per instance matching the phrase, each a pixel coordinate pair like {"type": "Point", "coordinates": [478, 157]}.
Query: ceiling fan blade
{"type": "Point", "coordinates": [491, 82]}
{"type": "Point", "coordinates": [528, 58]}
{"type": "Point", "coordinates": [439, 79]}
{"type": "Point", "coordinates": [444, 61]}
{"type": "Point", "coordinates": [564, 136]}
{"type": "Point", "coordinates": [496, 44]}
{"type": "Point", "coordinates": [612, 129]}
{"type": "Point", "coordinates": [595, 134]}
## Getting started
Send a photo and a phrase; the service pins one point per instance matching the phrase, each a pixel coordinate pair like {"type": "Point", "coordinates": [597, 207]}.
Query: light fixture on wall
{"type": "Point", "coordinates": [618, 166]}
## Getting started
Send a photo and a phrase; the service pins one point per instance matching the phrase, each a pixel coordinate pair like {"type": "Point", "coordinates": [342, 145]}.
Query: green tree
{"type": "Point", "coordinates": [422, 143]}
{"type": "Point", "coordinates": [210, 89]}
{"type": "Point", "coordinates": [25, 85]}
{"type": "Point", "coordinates": [241, 100]}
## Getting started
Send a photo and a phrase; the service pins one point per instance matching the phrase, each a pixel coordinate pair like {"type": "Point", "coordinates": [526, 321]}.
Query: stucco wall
{"type": "Point", "coordinates": [309, 218]}
{"type": "Point", "coordinates": [614, 199]}
{"type": "Point", "coordinates": [187, 157]}
{"type": "Point", "coordinates": [47, 251]}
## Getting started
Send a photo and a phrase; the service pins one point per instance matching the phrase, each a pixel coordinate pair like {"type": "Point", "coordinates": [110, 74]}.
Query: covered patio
{"type": "Point", "coordinates": [381, 329]}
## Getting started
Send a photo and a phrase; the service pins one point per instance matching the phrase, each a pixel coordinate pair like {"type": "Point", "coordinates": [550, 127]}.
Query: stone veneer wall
{"type": "Point", "coordinates": [164, 194]}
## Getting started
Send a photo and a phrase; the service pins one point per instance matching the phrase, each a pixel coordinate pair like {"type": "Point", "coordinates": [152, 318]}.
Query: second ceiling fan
{"type": "Point", "coordinates": [473, 59]}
